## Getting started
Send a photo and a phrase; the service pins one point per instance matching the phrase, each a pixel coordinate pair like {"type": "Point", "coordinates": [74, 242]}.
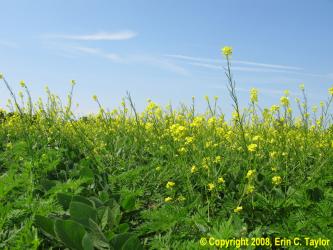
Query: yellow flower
{"type": "Point", "coordinates": [254, 95]}
{"type": "Point", "coordinates": [227, 51]}
{"type": "Point", "coordinates": [168, 199]}
{"type": "Point", "coordinates": [252, 147]}
{"type": "Point", "coordinates": [158, 168]}
{"type": "Point", "coordinates": [1, 76]}
{"type": "Point", "coordinates": [22, 83]}
{"type": "Point", "coordinates": [238, 209]}
{"type": "Point", "coordinates": [211, 186]}
{"type": "Point", "coordinates": [94, 98]}
{"type": "Point", "coordinates": [73, 82]}
{"type": "Point", "coordinates": [193, 169]}
{"type": "Point", "coordinates": [276, 180]}
{"type": "Point", "coordinates": [249, 189]}
{"type": "Point", "coordinates": [275, 108]}
{"type": "Point", "coordinates": [301, 86]}
{"type": "Point", "coordinates": [250, 174]}
{"type": "Point", "coordinates": [188, 140]}
{"type": "Point", "coordinates": [218, 159]}
{"type": "Point", "coordinates": [330, 90]}
{"type": "Point", "coordinates": [284, 100]}
{"type": "Point", "coordinates": [220, 180]}
{"type": "Point", "coordinates": [170, 184]}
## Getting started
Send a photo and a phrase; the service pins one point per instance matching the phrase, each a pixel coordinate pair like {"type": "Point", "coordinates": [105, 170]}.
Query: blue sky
{"type": "Point", "coordinates": [167, 51]}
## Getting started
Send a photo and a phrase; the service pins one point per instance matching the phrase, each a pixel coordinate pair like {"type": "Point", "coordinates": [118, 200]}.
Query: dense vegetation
{"type": "Point", "coordinates": [163, 178]}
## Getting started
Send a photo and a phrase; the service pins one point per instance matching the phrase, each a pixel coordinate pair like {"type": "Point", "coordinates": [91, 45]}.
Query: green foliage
{"type": "Point", "coordinates": [84, 225]}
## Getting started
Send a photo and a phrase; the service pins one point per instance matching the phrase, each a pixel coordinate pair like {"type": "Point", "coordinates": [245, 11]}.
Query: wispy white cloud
{"type": "Point", "coordinates": [239, 68]}
{"type": "Point", "coordinates": [191, 58]}
{"type": "Point", "coordinates": [213, 63]}
{"type": "Point", "coordinates": [206, 65]}
{"type": "Point", "coordinates": [100, 36]}
{"type": "Point", "coordinates": [152, 60]}
{"type": "Point", "coordinates": [157, 61]}
{"type": "Point", "coordinates": [265, 65]}
{"type": "Point", "coordinates": [86, 50]}
{"type": "Point", "coordinates": [245, 66]}
{"type": "Point", "coordinates": [93, 51]}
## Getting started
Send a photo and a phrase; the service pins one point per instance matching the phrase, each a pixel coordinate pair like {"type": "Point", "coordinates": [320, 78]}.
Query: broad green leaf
{"type": "Point", "coordinates": [46, 225]}
{"type": "Point", "coordinates": [83, 199]}
{"type": "Point", "coordinates": [119, 240]}
{"type": "Point", "coordinates": [132, 243]}
{"type": "Point", "coordinates": [81, 213]}
{"type": "Point", "coordinates": [70, 233]}
{"type": "Point", "coordinates": [87, 243]}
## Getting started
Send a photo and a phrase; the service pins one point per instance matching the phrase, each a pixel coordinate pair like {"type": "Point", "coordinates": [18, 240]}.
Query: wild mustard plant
{"type": "Point", "coordinates": [164, 174]}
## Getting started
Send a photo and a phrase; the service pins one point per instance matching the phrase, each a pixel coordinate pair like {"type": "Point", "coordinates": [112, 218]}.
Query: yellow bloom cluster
{"type": "Point", "coordinates": [284, 101]}
{"type": "Point", "coordinates": [254, 95]}
{"type": "Point", "coordinates": [168, 199]}
{"type": "Point", "coordinates": [211, 186]}
{"type": "Point", "coordinates": [250, 174]}
{"type": "Point", "coordinates": [276, 180]}
{"type": "Point", "coordinates": [252, 147]}
{"type": "Point", "coordinates": [238, 209]}
{"type": "Point", "coordinates": [221, 180]}
{"type": "Point", "coordinates": [22, 83]}
{"type": "Point", "coordinates": [170, 184]}
{"type": "Point", "coordinates": [227, 51]}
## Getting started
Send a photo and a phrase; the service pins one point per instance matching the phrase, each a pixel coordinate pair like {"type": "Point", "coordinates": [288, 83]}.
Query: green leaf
{"type": "Point", "coordinates": [105, 217]}
{"type": "Point", "coordinates": [87, 173]}
{"type": "Point", "coordinates": [123, 228]}
{"type": "Point", "coordinates": [64, 200]}
{"type": "Point", "coordinates": [87, 242]}
{"type": "Point", "coordinates": [81, 213]}
{"type": "Point", "coordinates": [132, 243]}
{"type": "Point", "coordinates": [70, 233]}
{"type": "Point", "coordinates": [115, 217]}
{"type": "Point", "coordinates": [126, 241]}
{"type": "Point", "coordinates": [96, 232]}
{"type": "Point", "coordinates": [98, 203]}
{"type": "Point", "coordinates": [83, 199]}
{"type": "Point", "coordinates": [127, 202]}
{"type": "Point", "coordinates": [46, 225]}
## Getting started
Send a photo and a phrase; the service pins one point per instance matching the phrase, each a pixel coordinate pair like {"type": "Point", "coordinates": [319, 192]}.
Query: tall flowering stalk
{"type": "Point", "coordinates": [227, 52]}
{"type": "Point", "coordinates": [11, 93]}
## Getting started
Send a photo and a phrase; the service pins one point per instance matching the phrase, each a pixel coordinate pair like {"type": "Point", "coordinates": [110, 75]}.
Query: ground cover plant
{"type": "Point", "coordinates": [163, 178]}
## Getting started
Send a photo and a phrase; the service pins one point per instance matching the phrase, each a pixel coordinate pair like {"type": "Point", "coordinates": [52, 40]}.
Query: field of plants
{"type": "Point", "coordinates": [164, 178]}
